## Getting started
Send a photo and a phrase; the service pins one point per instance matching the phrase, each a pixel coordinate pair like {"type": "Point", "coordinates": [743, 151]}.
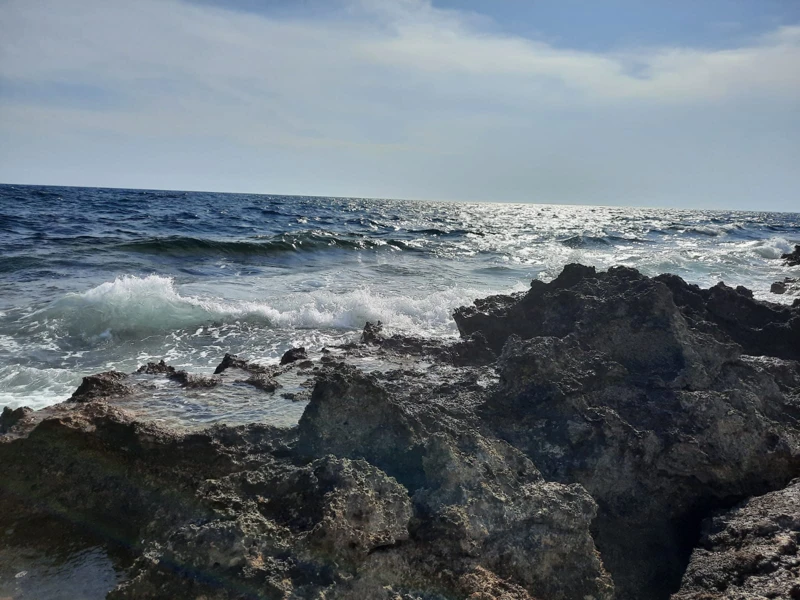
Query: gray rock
{"type": "Point", "coordinates": [750, 552]}
{"type": "Point", "coordinates": [792, 258]}
{"type": "Point", "coordinates": [11, 417]}
{"type": "Point", "coordinates": [110, 384]}
{"type": "Point", "coordinates": [293, 355]}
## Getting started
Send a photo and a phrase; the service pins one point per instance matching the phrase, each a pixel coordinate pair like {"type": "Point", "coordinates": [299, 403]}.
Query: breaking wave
{"type": "Point", "coordinates": [130, 308]}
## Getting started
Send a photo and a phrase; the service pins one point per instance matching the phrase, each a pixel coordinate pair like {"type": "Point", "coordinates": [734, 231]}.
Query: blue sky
{"type": "Point", "coordinates": [625, 102]}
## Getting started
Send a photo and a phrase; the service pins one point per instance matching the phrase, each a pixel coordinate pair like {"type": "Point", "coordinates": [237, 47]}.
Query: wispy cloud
{"type": "Point", "coordinates": [385, 82]}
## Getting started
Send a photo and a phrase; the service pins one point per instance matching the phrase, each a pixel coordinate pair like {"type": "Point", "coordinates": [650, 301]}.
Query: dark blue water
{"type": "Point", "coordinates": [108, 278]}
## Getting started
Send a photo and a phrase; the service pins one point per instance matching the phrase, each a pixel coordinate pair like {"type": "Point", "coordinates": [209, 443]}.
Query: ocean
{"type": "Point", "coordinates": [97, 279]}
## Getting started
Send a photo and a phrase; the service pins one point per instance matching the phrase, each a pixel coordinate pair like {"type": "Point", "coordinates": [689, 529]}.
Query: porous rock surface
{"type": "Point", "coordinates": [260, 512]}
{"type": "Point", "coordinates": [750, 552]}
{"type": "Point", "coordinates": [569, 447]}
{"type": "Point", "coordinates": [643, 391]}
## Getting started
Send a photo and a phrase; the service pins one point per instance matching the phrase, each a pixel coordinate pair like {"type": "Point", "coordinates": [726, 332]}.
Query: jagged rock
{"type": "Point", "coordinates": [750, 552]}
{"type": "Point", "coordinates": [293, 355]}
{"type": "Point", "coordinates": [235, 512]}
{"type": "Point", "coordinates": [306, 523]}
{"type": "Point", "coordinates": [623, 387]}
{"type": "Point", "coordinates": [473, 350]}
{"type": "Point", "coordinates": [479, 501]}
{"type": "Point", "coordinates": [159, 368]}
{"type": "Point", "coordinates": [231, 361]}
{"type": "Point", "coordinates": [10, 417]}
{"type": "Point", "coordinates": [653, 458]}
{"type": "Point", "coordinates": [760, 328]}
{"type": "Point", "coordinates": [102, 385]}
{"type": "Point", "coordinates": [581, 300]}
{"type": "Point", "coordinates": [185, 379]}
{"type": "Point", "coordinates": [792, 258]}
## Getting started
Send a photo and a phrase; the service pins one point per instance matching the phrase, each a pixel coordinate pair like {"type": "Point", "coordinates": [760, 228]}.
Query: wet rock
{"type": "Point", "coordinates": [10, 417]}
{"type": "Point", "coordinates": [473, 350]}
{"type": "Point", "coordinates": [792, 258]}
{"type": "Point", "coordinates": [293, 355]}
{"type": "Point", "coordinates": [110, 384]}
{"type": "Point", "coordinates": [749, 552]}
{"type": "Point", "coordinates": [301, 396]}
{"type": "Point", "coordinates": [787, 286]}
{"type": "Point", "coordinates": [189, 380]}
{"type": "Point", "coordinates": [373, 333]}
{"type": "Point", "coordinates": [159, 368]}
{"type": "Point", "coordinates": [231, 361]}
{"type": "Point", "coordinates": [263, 382]}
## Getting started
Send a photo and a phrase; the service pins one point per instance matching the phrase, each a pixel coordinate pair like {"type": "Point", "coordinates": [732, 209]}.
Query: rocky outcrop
{"type": "Point", "coordinates": [568, 447]}
{"type": "Point", "coordinates": [792, 258]}
{"type": "Point", "coordinates": [636, 388]}
{"type": "Point", "coordinates": [263, 382]}
{"type": "Point", "coordinates": [159, 368]}
{"type": "Point", "coordinates": [323, 511]}
{"type": "Point", "coordinates": [479, 502]}
{"type": "Point", "coordinates": [190, 380]}
{"type": "Point", "coordinates": [11, 417]}
{"type": "Point", "coordinates": [583, 301]}
{"type": "Point", "coordinates": [750, 552]}
{"type": "Point", "coordinates": [110, 384]}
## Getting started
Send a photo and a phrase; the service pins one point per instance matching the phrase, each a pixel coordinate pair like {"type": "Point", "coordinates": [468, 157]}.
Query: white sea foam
{"type": "Point", "coordinates": [125, 322]}
{"type": "Point", "coordinates": [772, 248]}
{"type": "Point", "coordinates": [28, 386]}
{"type": "Point", "coordinates": [137, 306]}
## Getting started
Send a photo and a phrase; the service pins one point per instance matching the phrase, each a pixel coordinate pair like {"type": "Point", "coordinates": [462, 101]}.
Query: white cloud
{"type": "Point", "coordinates": [385, 83]}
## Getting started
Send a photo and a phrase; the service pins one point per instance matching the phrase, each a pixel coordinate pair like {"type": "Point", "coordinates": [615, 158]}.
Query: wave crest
{"type": "Point", "coordinates": [131, 308]}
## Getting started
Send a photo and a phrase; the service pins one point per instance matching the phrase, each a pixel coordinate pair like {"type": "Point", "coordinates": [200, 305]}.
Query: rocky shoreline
{"type": "Point", "coordinates": [605, 435]}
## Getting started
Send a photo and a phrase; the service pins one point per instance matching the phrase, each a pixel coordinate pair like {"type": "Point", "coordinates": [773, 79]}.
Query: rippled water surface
{"type": "Point", "coordinates": [92, 279]}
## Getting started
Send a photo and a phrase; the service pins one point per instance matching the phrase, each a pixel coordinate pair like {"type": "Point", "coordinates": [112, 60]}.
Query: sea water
{"type": "Point", "coordinates": [98, 279]}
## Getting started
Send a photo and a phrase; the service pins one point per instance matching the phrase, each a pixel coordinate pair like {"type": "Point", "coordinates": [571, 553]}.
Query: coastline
{"type": "Point", "coordinates": [593, 437]}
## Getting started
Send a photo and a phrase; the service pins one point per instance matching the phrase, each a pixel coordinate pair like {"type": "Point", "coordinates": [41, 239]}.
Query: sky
{"type": "Point", "coordinates": [674, 103]}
